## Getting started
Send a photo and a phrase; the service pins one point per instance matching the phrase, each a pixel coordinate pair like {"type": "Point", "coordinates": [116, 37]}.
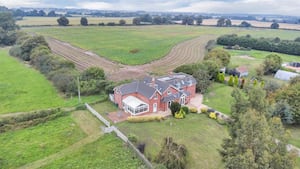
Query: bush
{"type": "Point", "coordinates": [204, 110]}
{"type": "Point", "coordinates": [180, 114]}
{"type": "Point", "coordinates": [175, 107]}
{"type": "Point", "coordinates": [133, 138]}
{"type": "Point", "coordinates": [213, 115]}
{"type": "Point", "coordinates": [141, 119]}
{"type": "Point", "coordinates": [221, 121]}
{"type": "Point", "coordinates": [185, 109]}
{"type": "Point", "coordinates": [193, 110]}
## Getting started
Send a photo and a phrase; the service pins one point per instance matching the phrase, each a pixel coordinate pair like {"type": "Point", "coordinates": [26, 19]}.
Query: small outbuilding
{"type": "Point", "coordinates": [285, 75]}
{"type": "Point", "coordinates": [242, 71]}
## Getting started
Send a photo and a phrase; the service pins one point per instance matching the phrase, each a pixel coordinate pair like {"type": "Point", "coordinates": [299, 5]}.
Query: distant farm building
{"type": "Point", "coordinates": [285, 75]}
{"type": "Point", "coordinates": [242, 71]}
{"type": "Point", "coordinates": [293, 66]}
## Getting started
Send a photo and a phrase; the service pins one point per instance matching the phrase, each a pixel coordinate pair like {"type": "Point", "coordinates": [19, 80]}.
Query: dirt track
{"type": "Point", "coordinates": [186, 52]}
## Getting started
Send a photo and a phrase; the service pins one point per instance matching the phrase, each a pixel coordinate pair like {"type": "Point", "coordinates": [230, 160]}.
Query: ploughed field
{"type": "Point", "coordinates": [131, 52]}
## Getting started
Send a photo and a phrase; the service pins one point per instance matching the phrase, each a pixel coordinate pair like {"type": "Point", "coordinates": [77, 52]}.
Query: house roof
{"type": "Point", "coordinates": [138, 87]}
{"type": "Point", "coordinates": [178, 80]}
{"type": "Point", "coordinates": [285, 75]}
{"type": "Point", "coordinates": [149, 85]}
{"type": "Point", "coordinates": [241, 69]}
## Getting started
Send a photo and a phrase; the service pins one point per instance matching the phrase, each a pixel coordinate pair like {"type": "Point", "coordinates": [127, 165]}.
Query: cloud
{"type": "Point", "coordinates": [286, 7]}
{"type": "Point", "coordinates": [18, 3]}
{"type": "Point", "coordinates": [95, 5]}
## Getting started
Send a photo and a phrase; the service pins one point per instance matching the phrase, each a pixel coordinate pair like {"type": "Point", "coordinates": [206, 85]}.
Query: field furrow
{"type": "Point", "coordinates": [189, 51]}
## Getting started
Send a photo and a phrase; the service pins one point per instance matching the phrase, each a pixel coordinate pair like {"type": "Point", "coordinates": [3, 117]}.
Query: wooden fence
{"type": "Point", "coordinates": [120, 135]}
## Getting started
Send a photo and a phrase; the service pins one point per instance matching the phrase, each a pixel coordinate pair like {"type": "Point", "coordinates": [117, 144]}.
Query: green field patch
{"type": "Point", "coordinates": [153, 42]}
{"type": "Point", "coordinates": [219, 97]}
{"type": "Point", "coordinates": [107, 152]}
{"type": "Point", "coordinates": [27, 145]}
{"type": "Point", "coordinates": [118, 43]}
{"type": "Point", "coordinates": [201, 135]}
{"type": "Point", "coordinates": [24, 89]}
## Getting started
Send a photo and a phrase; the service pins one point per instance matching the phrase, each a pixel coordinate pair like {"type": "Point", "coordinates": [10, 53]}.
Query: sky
{"type": "Point", "coordinates": [282, 7]}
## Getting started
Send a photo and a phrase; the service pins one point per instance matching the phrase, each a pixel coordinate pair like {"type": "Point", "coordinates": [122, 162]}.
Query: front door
{"type": "Point", "coordinates": [154, 107]}
{"type": "Point", "coordinates": [182, 99]}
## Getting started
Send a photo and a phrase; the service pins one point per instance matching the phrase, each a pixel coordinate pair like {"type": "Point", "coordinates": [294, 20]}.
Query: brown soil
{"type": "Point", "coordinates": [190, 51]}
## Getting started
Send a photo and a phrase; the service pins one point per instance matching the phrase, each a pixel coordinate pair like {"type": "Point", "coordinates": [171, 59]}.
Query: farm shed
{"type": "Point", "coordinates": [242, 71]}
{"type": "Point", "coordinates": [285, 75]}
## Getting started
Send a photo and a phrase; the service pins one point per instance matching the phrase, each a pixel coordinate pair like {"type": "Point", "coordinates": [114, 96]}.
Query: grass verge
{"type": "Point", "coordinates": [107, 152]}
{"type": "Point", "coordinates": [27, 145]}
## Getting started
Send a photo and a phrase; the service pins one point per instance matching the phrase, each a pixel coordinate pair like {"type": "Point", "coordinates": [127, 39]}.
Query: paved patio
{"type": "Point", "coordinates": [120, 116]}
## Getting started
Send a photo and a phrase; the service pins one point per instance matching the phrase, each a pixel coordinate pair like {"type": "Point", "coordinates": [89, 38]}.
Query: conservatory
{"type": "Point", "coordinates": [134, 106]}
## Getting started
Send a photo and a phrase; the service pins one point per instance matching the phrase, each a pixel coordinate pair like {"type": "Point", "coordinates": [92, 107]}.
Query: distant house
{"type": "Point", "coordinates": [242, 71]}
{"type": "Point", "coordinates": [295, 66]}
{"type": "Point", "coordinates": [154, 94]}
{"type": "Point", "coordinates": [285, 75]}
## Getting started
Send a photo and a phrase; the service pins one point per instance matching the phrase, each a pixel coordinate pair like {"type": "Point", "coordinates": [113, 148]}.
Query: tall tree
{"type": "Point", "coordinates": [84, 21]}
{"type": "Point", "coordinates": [272, 63]}
{"type": "Point", "coordinates": [274, 25]}
{"type": "Point", "coordinates": [63, 21]}
{"type": "Point", "coordinates": [219, 54]}
{"type": "Point", "coordinates": [122, 22]}
{"type": "Point", "coordinates": [203, 80]}
{"type": "Point", "coordinates": [254, 142]}
{"type": "Point", "coordinates": [228, 23]}
{"type": "Point", "coordinates": [199, 20]}
{"type": "Point", "coordinates": [7, 29]}
{"type": "Point", "coordinates": [221, 22]}
{"type": "Point", "coordinates": [172, 155]}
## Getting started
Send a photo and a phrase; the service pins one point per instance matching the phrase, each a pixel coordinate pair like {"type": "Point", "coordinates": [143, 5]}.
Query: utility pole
{"type": "Point", "coordinates": [78, 87]}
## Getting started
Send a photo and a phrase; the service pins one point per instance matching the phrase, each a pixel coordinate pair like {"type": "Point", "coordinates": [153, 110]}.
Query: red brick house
{"type": "Point", "coordinates": [154, 94]}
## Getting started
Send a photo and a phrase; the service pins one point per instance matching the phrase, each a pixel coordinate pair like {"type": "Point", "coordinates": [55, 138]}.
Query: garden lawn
{"type": "Point", "coordinates": [27, 145]}
{"type": "Point", "coordinates": [136, 45]}
{"type": "Point", "coordinates": [219, 97]}
{"type": "Point", "coordinates": [107, 152]}
{"type": "Point", "coordinates": [258, 54]}
{"type": "Point", "coordinates": [23, 88]}
{"type": "Point", "coordinates": [295, 135]}
{"type": "Point", "coordinates": [202, 137]}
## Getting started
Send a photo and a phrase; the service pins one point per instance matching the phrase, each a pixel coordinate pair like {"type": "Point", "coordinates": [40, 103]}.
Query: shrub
{"type": "Point", "coordinates": [133, 138]}
{"type": "Point", "coordinates": [221, 121]}
{"type": "Point", "coordinates": [175, 107]}
{"type": "Point", "coordinates": [212, 115]}
{"type": "Point", "coordinates": [140, 119]}
{"type": "Point", "coordinates": [204, 110]}
{"type": "Point", "coordinates": [193, 110]}
{"type": "Point", "coordinates": [80, 107]}
{"type": "Point", "coordinates": [185, 109]}
{"type": "Point", "coordinates": [180, 114]}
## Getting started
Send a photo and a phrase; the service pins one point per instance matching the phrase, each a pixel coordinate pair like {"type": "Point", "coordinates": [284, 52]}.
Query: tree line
{"type": "Point", "coordinates": [291, 47]}
{"type": "Point", "coordinates": [36, 51]}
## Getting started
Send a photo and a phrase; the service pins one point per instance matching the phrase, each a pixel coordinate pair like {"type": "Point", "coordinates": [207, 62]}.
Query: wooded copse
{"type": "Point", "coordinates": [61, 72]}
{"type": "Point", "coordinates": [266, 44]}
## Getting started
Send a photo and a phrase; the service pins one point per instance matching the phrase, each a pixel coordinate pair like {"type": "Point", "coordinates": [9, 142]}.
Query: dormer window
{"type": "Point", "coordinates": [155, 96]}
{"type": "Point", "coordinates": [169, 92]}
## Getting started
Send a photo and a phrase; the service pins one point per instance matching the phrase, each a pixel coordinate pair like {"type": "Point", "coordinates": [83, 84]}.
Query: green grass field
{"type": "Point", "coordinates": [25, 89]}
{"type": "Point", "coordinates": [40, 21]}
{"type": "Point", "coordinates": [27, 145]}
{"type": "Point", "coordinates": [201, 135]}
{"type": "Point", "coordinates": [142, 44]}
{"type": "Point", "coordinates": [219, 97]}
{"type": "Point", "coordinates": [107, 152]}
